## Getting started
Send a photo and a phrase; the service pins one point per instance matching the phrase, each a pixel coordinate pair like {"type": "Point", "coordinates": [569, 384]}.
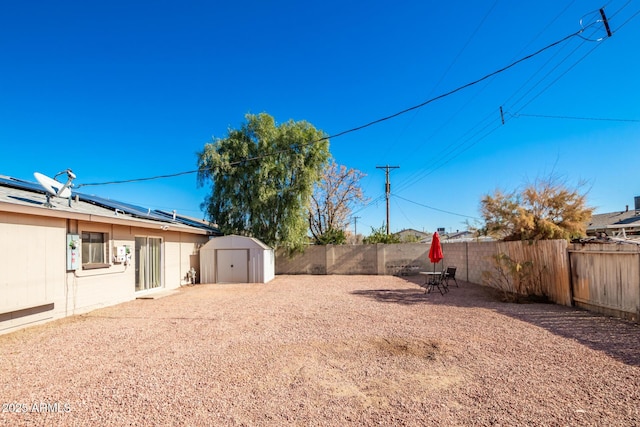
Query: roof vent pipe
{"type": "Point", "coordinates": [174, 214]}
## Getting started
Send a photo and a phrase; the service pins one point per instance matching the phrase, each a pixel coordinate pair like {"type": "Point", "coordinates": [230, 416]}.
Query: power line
{"type": "Point", "coordinates": [560, 76]}
{"type": "Point", "coordinates": [554, 68]}
{"type": "Point", "coordinates": [451, 92]}
{"type": "Point", "coordinates": [575, 63]}
{"type": "Point", "coordinates": [435, 209]}
{"type": "Point", "coordinates": [366, 125]}
{"type": "Point", "coordinates": [469, 39]}
{"type": "Point", "coordinates": [415, 107]}
{"type": "Point", "coordinates": [605, 119]}
{"type": "Point", "coordinates": [455, 152]}
{"type": "Point", "coordinates": [627, 21]}
{"type": "Point", "coordinates": [446, 72]}
{"type": "Point", "coordinates": [442, 161]}
{"type": "Point", "coordinates": [451, 149]}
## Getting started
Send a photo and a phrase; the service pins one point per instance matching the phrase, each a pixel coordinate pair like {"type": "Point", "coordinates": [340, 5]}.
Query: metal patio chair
{"type": "Point", "coordinates": [450, 274]}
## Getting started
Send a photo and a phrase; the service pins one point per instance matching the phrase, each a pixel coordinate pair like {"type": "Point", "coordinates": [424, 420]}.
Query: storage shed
{"type": "Point", "coordinates": [236, 259]}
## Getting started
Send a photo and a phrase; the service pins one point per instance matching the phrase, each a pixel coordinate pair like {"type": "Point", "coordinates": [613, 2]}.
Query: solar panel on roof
{"type": "Point", "coordinates": [187, 221]}
{"type": "Point", "coordinates": [127, 208]}
{"type": "Point", "coordinates": [21, 185]}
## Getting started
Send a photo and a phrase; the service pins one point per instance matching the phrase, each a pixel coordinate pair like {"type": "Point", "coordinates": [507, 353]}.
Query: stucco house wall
{"type": "Point", "coordinates": [35, 284]}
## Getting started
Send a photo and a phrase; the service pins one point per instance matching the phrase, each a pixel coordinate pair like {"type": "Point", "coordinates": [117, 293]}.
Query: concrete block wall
{"type": "Point", "coordinates": [312, 261]}
{"type": "Point", "coordinates": [405, 259]}
{"type": "Point", "coordinates": [470, 258]}
{"type": "Point", "coordinates": [350, 259]}
{"type": "Point", "coordinates": [480, 255]}
{"type": "Point", "coordinates": [455, 255]}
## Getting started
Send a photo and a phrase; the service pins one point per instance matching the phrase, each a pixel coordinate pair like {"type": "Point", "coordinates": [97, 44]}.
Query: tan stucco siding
{"type": "Point", "coordinates": [181, 254]}
{"type": "Point", "coordinates": [35, 285]}
{"type": "Point", "coordinates": [32, 265]}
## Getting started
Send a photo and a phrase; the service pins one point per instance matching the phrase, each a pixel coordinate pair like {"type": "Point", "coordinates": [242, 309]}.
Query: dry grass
{"type": "Point", "coordinates": [325, 350]}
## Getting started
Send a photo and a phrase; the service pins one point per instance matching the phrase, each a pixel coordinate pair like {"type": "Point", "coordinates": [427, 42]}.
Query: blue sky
{"type": "Point", "coordinates": [121, 90]}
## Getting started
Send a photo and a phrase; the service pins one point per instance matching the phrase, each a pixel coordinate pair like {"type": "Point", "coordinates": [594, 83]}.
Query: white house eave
{"type": "Point", "coordinates": [627, 226]}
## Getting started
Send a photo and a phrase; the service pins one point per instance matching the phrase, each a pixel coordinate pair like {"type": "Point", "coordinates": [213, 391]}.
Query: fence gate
{"type": "Point", "coordinates": [606, 278]}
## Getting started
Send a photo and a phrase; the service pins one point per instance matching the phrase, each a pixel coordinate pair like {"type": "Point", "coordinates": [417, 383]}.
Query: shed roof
{"type": "Point", "coordinates": [235, 242]}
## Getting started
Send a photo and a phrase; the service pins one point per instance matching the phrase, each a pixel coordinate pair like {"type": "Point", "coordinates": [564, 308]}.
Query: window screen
{"type": "Point", "coordinates": [93, 248]}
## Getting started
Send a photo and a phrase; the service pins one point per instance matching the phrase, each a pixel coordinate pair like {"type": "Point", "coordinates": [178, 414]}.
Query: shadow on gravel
{"type": "Point", "coordinates": [617, 338]}
{"type": "Point", "coordinates": [398, 296]}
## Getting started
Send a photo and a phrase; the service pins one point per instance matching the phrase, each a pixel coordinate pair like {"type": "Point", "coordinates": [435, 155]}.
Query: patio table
{"type": "Point", "coordinates": [433, 279]}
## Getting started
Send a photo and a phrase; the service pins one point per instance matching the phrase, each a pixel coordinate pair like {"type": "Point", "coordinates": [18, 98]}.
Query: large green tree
{"type": "Point", "coordinates": [544, 209]}
{"type": "Point", "coordinates": [262, 177]}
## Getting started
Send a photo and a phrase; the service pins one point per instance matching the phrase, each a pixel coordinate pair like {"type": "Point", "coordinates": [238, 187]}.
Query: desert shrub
{"type": "Point", "coordinates": [518, 280]}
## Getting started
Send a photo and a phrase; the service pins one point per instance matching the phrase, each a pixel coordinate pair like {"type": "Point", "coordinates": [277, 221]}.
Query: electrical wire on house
{"type": "Point", "coordinates": [125, 181]}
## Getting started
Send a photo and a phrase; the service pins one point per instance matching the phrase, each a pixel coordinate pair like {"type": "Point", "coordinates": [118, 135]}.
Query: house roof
{"type": "Point", "coordinates": [411, 231]}
{"type": "Point", "coordinates": [458, 235]}
{"type": "Point", "coordinates": [620, 219]}
{"type": "Point", "coordinates": [30, 198]}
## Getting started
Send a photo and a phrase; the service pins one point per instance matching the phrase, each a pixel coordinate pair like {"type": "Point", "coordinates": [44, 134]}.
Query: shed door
{"type": "Point", "coordinates": [233, 265]}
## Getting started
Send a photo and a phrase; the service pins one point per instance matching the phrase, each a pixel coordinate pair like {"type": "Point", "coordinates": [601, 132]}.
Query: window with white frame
{"type": "Point", "coordinates": [94, 250]}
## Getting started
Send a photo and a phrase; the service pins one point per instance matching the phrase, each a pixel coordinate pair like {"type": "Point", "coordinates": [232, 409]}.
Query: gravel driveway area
{"type": "Point", "coordinates": [324, 351]}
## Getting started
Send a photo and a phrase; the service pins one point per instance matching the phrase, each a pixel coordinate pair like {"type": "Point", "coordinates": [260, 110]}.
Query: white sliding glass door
{"type": "Point", "coordinates": [148, 263]}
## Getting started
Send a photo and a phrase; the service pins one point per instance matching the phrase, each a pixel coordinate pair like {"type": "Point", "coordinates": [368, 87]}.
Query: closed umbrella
{"type": "Point", "coordinates": [435, 251]}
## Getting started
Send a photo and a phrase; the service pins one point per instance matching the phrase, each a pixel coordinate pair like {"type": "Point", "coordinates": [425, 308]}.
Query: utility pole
{"type": "Point", "coordinates": [355, 227]}
{"type": "Point", "coordinates": [387, 188]}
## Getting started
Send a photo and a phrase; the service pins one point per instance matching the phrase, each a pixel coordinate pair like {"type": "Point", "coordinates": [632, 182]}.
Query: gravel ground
{"type": "Point", "coordinates": [324, 350]}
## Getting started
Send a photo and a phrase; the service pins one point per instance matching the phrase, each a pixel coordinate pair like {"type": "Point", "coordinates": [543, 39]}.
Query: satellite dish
{"type": "Point", "coordinates": [56, 188]}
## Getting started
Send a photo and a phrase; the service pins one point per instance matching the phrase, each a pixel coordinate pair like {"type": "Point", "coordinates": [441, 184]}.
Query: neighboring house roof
{"type": "Point", "coordinates": [27, 197]}
{"type": "Point", "coordinates": [412, 232]}
{"type": "Point", "coordinates": [613, 221]}
{"type": "Point", "coordinates": [458, 235]}
{"type": "Point", "coordinates": [425, 237]}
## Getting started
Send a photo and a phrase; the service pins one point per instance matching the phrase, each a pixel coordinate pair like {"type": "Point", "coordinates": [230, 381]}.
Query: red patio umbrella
{"type": "Point", "coordinates": [435, 251]}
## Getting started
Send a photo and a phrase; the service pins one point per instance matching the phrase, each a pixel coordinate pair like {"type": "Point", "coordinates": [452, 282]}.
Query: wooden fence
{"type": "Point", "coordinates": [603, 278]}
{"type": "Point", "coordinates": [549, 267]}
{"type": "Point", "coordinates": [606, 278]}
{"type": "Point", "coordinates": [471, 258]}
